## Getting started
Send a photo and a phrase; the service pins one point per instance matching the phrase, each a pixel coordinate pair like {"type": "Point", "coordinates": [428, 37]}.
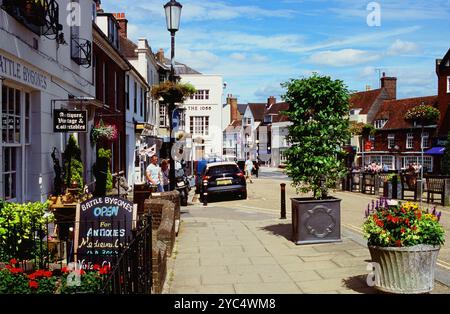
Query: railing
{"type": "Point", "coordinates": [81, 51]}
{"type": "Point", "coordinates": [39, 16]}
{"type": "Point", "coordinates": [132, 273]}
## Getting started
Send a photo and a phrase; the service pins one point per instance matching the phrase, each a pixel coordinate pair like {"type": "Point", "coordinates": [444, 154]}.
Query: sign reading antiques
{"type": "Point", "coordinates": [103, 228]}
{"type": "Point", "coordinates": [65, 121]}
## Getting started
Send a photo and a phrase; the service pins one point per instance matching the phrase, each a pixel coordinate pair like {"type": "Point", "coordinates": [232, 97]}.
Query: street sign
{"type": "Point", "coordinates": [66, 121]}
{"type": "Point", "coordinates": [103, 228]}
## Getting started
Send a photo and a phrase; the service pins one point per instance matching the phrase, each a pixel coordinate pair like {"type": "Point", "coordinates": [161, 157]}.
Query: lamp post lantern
{"type": "Point", "coordinates": [173, 16]}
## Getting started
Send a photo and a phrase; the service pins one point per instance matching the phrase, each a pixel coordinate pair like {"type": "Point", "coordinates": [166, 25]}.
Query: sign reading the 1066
{"type": "Point", "coordinates": [65, 121]}
{"type": "Point", "coordinates": [103, 227]}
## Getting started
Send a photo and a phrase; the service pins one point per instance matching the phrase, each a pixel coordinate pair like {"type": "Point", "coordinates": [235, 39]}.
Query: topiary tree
{"type": "Point", "coordinates": [446, 158]}
{"type": "Point", "coordinates": [73, 166]}
{"type": "Point", "coordinates": [102, 172]}
{"type": "Point", "coordinates": [320, 127]}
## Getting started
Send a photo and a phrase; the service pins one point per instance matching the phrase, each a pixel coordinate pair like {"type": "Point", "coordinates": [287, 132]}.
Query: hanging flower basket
{"type": "Point", "coordinates": [104, 131]}
{"type": "Point", "coordinates": [173, 92]}
{"type": "Point", "coordinates": [423, 115]}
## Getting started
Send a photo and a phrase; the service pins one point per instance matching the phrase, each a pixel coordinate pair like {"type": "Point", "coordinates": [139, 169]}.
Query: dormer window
{"type": "Point", "coordinates": [355, 112]}
{"type": "Point", "coordinates": [379, 124]}
{"type": "Point", "coordinates": [113, 32]}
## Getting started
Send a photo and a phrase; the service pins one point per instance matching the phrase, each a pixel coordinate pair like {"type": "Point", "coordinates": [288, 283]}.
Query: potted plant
{"type": "Point", "coordinates": [404, 241]}
{"type": "Point", "coordinates": [34, 11]}
{"type": "Point", "coordinates": [320, 128]}
{"type": "Point", "coordinates": [172, 93]}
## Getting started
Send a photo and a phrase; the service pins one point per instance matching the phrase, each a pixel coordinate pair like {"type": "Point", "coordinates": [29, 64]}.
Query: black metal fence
{"type": "Point", "coordinates": [132, 274]}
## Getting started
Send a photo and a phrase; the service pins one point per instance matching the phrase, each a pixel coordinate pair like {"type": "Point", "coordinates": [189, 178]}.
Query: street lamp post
{"type": "Point", "coordinates": [173, 15]}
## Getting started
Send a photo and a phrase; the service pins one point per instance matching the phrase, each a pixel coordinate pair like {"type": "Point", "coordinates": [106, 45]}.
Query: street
{"type": "Point", "coordinates": [235, 246]}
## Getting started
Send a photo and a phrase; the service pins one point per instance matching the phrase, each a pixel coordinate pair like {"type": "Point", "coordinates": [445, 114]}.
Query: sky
{"type": "Point", "coordinates": [257, 45]}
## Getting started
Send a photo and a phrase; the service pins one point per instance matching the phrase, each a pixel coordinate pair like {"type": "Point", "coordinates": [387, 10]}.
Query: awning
{"type": "Point", "coordinates": [436, 151]}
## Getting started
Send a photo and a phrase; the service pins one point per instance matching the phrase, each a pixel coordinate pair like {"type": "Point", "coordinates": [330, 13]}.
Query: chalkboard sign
{"type": "Point", "coordinates": [65, 121]}
{"type": "Point", "coordinates": [103, 227]}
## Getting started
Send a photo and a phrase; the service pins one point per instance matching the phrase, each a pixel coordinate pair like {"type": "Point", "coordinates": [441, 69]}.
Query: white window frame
{"type": "Point", "coordinates": [427, 160]}
{"type": "Point", "coordinates": [425, 142]}
{"type": "Point", "coordinates": [163, 115]}
{"type": "Point", "coordinates": [448, 84]}
{"type": "Point", "coordinates": [391, 140]}
{"type": "Point", "coordinates": [201, 94]}
{"type": "Point", "coordinates": [409, 140]}
{"type": "Point", "coordinates": [199, 125]}
{"type": "Point", "coordinates": [379, 124]}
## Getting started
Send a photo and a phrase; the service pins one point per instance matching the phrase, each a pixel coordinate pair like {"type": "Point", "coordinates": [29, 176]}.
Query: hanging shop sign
{"type": "Point", "coordinates": [103, 227]}
{"type": "Point", "coordinates": [65, 121]}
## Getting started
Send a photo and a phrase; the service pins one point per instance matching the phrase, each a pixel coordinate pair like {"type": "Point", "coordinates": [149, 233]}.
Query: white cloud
{"type": "Point", "coordinates": [238, 56]}
{"type": "Point", "coordinates": [198, 60]}
{"type": "Point", "coordinates": [400, 47]}
{"type": "Point", "coordinates": [273, 89]}
{"type": "Point", "coordinates": [341, 58]}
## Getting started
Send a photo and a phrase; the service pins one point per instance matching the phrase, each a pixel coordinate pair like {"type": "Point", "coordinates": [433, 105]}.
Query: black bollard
{"type": "Point", "coordinates": [283, 201]}
{"type": "Point", "coordinates": [205, 193]}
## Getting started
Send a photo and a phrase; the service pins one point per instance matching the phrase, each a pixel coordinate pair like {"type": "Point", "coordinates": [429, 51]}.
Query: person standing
{"type": "Point", "coordinates": [153, 174]}
{"type": "Point", "coordinates": [249, 168]}
{"type": "Point", "coordinates": [165, 175]}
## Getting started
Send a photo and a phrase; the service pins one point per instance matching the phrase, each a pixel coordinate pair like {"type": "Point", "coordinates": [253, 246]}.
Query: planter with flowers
{"type": "Point", "coordinates": [104, 132]}
{"type": "Point", "coordinates": [404, 241]}
{"type": "Point", "coordinates": [172, 93]}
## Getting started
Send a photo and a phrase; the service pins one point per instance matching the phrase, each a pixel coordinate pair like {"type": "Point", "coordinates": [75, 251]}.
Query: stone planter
{"type": "Point", "coordinates": [316, 221]}
{"type": "Point", "coordinates": [405, 270]}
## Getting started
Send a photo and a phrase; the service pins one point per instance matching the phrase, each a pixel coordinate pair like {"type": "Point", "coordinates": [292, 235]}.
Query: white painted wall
{"type": "Point", "coordinates": [62, 77]}
{"type": "Point", "coordinates": [211, 108]}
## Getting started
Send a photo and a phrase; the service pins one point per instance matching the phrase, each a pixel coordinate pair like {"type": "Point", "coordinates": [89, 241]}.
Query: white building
{"type": "Point", "coordinates": [41, 68]}
{"type": "Point", "coordinates": [203, 114]}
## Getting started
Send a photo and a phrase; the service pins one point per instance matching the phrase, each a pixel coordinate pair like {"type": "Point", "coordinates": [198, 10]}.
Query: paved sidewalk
{"type": "Point", "coordinates": [226, 251]}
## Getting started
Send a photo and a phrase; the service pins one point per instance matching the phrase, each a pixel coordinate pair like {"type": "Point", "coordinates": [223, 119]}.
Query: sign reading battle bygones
{"type": "Point", "coordinates": [65, 121]}
{"type": "Point", "coordinates": [102, 228]}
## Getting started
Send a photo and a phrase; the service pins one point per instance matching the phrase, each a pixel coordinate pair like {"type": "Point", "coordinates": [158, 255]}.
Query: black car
{"type": "Point", "coordinates": [223, 178]}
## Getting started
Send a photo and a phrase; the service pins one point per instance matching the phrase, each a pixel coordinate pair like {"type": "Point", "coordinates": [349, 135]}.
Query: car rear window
{"type": "Point", "coordinates": [217, 170]}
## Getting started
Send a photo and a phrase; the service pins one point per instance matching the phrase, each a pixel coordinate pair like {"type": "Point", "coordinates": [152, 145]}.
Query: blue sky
{"type": "Point", "coordinates": [256, 45]}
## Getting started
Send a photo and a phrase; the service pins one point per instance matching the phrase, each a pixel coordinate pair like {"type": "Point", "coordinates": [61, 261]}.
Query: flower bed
{"type": "Point", "coordinates": [14, 280]}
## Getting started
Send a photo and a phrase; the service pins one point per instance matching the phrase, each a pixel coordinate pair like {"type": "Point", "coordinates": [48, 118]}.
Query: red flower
{"type": "Point", "coordinates": [65, 270]}
{"type": "Point", "coordinates": [13, 261]}
{"type": "Point", "coordinates": [398, 243]}
{"type": "Point", "coordinates": [96, 267]}
{"type": "Point", "coordinates": [82, 272]}
{"type": "Point", "coordinates": [16, 270]}
{"type": "Point", "coordinates": [104, 270]}
{"type": "Point", "coordinates": [33, 284]}
{"type": "Point", "coordinates": [380, 223]}
{"type": "Point", "coordinates": [403, 230]}
{"type": "Point", "coordinates": [47, 274]}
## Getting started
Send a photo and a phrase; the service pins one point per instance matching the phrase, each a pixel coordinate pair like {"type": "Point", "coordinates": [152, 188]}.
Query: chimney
{"type": "Point", "coordinates": [232, 101]}
{"type": "Point", "coordinates": [160, 55]}
{"type": "Point", "coordinates": [98, 6]}
{"type": "Point", "coordinates": [271, 101]}
{"type": "Point", "coordinates": [390, 84]}
{"type": "Point", "coordinates": [123, 24]}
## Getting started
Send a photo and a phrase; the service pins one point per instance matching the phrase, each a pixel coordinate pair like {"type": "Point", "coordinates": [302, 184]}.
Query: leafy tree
{"type": "Point", "coordinates": [446, 157]}
{"type": "Point", "coordinates": [320, 127]}
{"type": "Point", "coordinates": [102, 172]}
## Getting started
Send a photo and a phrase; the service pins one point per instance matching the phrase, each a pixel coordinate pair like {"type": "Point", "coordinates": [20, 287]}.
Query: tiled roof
{"type": "Point", "coordinates": [128, 48]}
{"type": "Point", "coordinates": [241, 108]}
{"type": "Point", "coordinates": [364, 100]}
{"type": "Point", "coordinates": [394, 110]}
{"type": "Point", "coordinates": [258, 111]}
{"type": "Point", "coordinates": [181, 68]}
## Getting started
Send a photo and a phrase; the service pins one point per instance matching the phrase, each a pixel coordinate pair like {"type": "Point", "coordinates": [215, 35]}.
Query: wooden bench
{"type": "Point", "coordinates": [409, 183]}
{"type": "Point", "coordinates": [435, 186]}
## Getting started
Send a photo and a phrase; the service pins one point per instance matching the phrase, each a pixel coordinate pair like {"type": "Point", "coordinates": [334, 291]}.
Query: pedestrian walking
{"type": "Point", "coordinates": [249, 168]}
{"type": "Point", "coordinates": [153, 174]}
{"type": "Point", "coordinates": [165, 175]}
